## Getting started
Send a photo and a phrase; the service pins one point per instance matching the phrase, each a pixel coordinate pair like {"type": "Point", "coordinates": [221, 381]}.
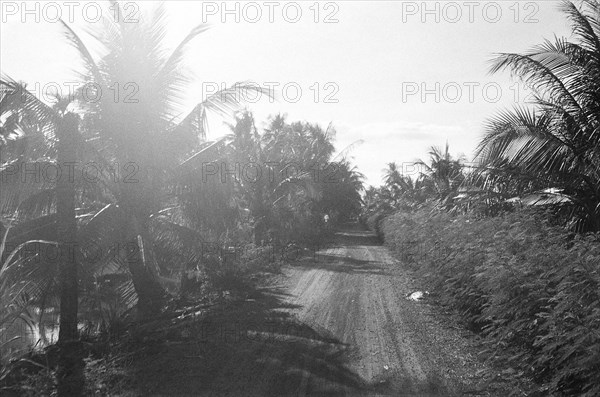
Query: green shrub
{"type": "Point", "coordinates": [108, 376]}
{"type": "Point", "coordinates": [374, 223]}
{"type": "Point", "coordinates": [532, 291]}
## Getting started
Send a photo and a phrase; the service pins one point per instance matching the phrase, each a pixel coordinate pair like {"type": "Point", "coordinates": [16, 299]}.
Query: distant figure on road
{"type": "Point", "coordinates": [326, 219]}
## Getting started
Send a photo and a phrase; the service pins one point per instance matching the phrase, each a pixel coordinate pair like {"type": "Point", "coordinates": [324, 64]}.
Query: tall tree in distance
{"type": "Point", "coordinates": [285, 159]}
{"type": "Point", "coordinates": [342, 189]}
{"type": "Point", "coordinates": [444, 173]}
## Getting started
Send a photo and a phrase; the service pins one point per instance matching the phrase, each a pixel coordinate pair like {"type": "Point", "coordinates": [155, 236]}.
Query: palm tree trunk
{"type": "Point", "coordinates": [151, 295]}
{"type": "Point", "coordinates": [70, 367]}
{"type": "Point", "coordinates": [262, 225]}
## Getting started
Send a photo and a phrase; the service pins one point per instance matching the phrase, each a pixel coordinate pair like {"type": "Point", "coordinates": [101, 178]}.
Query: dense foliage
{"type": "Point", "coordinates": [437, 182]}
{"type": "Point", "coordinates": [156, 213]}
{"type": "Point", "coordinates": [553, 143]}
{"type": "Point", "coordinates": [533, 292]}
{"type": "Point", "coordinates": [167, 215]}
{"type": "Point", "coordinates": [512, 243]}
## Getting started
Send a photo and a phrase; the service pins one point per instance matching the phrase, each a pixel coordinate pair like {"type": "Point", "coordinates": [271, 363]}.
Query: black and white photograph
{"type": "Point", "coordinates": [299, 198]}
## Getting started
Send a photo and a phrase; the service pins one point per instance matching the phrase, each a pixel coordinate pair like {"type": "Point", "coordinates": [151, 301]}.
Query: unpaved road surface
{"type": "Point", "coordinates": [357, 292]}
{"type": "Point", "coordinates": [335, 324]}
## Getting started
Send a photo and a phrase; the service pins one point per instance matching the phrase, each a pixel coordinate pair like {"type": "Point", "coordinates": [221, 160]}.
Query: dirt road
{"type": "Point", "coordinates": [357, 292]}
{"type": "Point", "coordinates": [336, 324]}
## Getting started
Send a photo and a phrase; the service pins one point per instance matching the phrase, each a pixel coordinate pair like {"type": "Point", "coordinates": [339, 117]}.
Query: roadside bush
{"type": "Point", "coordinates": [230, 270]}
{"type": "Point", "coordinates": [374, 222]}
{"type": "Point", "coordinates": [530, 289]}
{"type": "Point", "coordinates": [108, 376]}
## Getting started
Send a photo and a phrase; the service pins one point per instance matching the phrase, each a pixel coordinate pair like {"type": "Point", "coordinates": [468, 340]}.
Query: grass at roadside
{"type": "Point", "coordinates": [530, 290]}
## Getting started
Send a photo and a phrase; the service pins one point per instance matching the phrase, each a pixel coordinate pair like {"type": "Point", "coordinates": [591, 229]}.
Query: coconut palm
{"type": "Point", "coordinates": [140, 132]}
{"type": "Point", "coordinates": [21, 112]}
{"type": "Point", "coordinates": [555, 140]}
{"type": "Point", "coordinates": [342, 192]}
{"type": "Point", "coordinates": [137, 133]}
{"type": "Point", "coordinates": [288, 159]}
{"type": "Point", "coordinates": [443, 175]}
{"type": "Point", "coordinates": [404, 191]}
{"type": "Point", "coordinates": [393, 179]}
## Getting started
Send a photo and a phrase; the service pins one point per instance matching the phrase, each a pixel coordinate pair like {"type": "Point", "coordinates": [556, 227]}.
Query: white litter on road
{"type": "Point", "coordinates": [417, 295]}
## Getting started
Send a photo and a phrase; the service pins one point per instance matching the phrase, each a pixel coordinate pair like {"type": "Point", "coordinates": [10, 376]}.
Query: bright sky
{"type": "Point", "coordinates": [399, 75]}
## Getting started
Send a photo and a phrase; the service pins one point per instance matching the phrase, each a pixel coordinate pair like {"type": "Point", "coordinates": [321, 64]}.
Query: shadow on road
{"type": "Point", "coordinates": [350, 237]}
{"type": "Point", "coordinates": [354, 234]}
{"type": "Point", "coordinates": [254, 347]}
{"type": "Point", "coordinates": [341, 263]}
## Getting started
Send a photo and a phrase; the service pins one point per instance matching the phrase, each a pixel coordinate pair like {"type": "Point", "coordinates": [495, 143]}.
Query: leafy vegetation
{"type": "Point", "coordinates": [171, 219]}
{"type": "Point", "coordinates": [555, 141]}
{"type": "Point", "coordinates": [438, 183]}
{"type": "Point", "coordinates": [517, 279]}
{"type": "Point", "coordinates": [512, 243]}
{"type": "Point", "coordinates": [152, 214]}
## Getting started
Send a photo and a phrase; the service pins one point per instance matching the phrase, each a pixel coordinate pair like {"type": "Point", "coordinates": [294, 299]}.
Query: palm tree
{"type": "Point", "coordinates": [21, 109]}
{"type": "Point", "coordinates": [404, 191]}
{"type": "Point", "coordinates": [393, 180]}
{"type": "Point", "coordinates": [138, 129]}
{"type": "Point", "coordinates": [443, 173]}
{"type": "Point", "coordinates": [341, 198]}
{"type": "Point", "coordinates": [290, 158]}
{"type": "Point", "coordinates": [70, 371]}
{"type": "Point", "coordinates": [556, 140]}
{"type": "Point", "coordinates": [140, 132]}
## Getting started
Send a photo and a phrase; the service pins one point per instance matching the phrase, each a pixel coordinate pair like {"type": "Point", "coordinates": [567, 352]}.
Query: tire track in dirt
{"type": "Point", "coordinates": [351, 293]}
{"type": "Point", "coordinates": [353, 334]}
